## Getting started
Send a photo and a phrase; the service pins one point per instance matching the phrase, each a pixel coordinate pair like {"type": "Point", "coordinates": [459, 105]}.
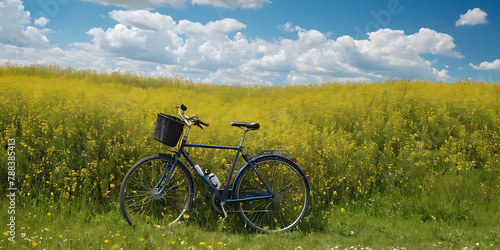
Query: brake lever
{"type": "Point", "coordinates": [195, 120]}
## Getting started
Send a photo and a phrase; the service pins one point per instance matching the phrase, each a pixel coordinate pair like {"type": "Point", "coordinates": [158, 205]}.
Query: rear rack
{"type": "Point", "coordinates": [275, 150]}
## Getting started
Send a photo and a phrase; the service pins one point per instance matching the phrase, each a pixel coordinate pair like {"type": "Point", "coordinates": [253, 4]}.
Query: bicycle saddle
{"type": "Point", "coordinates": [247, 125]}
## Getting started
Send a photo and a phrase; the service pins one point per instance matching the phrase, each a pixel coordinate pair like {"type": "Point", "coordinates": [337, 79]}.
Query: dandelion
{"type": "Point", "coordinates": [49, 213]}
{"type": "Point", "coordinates": [220, 243]}
{"type": "Point", "coordinates": [5, 233]}
{"type": "Point", "coordinates": [142, 239]}
{"type": "Point", "coordinates": [115, 246]}
{"type": "Point", "coordinates": [60, 236]}
{"type": "Point", "coordinates": [186, 216]}
{"type": "Point", "coordinates": [117, 234]}
{"type": "Point", "coordinates": [342, 210]}
{"type": "Point", "coordinates": [202, 243]}
{"type": "Point", "coordinates": [34, 244]}
{"type": "Point", "coordinates": [106, 241]}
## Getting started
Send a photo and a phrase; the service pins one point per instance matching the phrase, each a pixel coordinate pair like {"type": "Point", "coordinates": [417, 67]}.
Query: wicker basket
{"type": "Point", "coordinates": [168, 129]}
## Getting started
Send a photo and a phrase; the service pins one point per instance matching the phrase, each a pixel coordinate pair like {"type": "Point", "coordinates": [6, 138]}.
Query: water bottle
{"type": "Point", "coordinates": [213, 178]}
{"type": "Point", "coordinates": [198, 169]}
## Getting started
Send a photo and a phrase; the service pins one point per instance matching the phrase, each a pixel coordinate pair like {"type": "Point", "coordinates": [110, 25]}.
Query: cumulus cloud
{"type": "Point", "coordinates": [144, 4]}
{"type": "Point", "coordinates": [15, 29]}
{"type": "Point", "coordinates": [487, 65]}
{"type": "Point", "coordinates": [151, 43]}
{"type": "Point", "coordinates": [153, 37]}
{"type": "Point", "coordinates": [472, 17]}
{"type": "Point", "coordinates": [151, 4]}
{"type": "Point", "coordinates": [234, 4]}
{"type": "Point", "coordinates": [143, 19]}
{"type": "Point", "coordinates": [41, 21]}
{"type": "Point", "coordinates": [290, 28]}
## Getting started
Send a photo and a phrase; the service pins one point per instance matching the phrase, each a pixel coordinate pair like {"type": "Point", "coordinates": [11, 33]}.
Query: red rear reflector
{"type": "Point", "coordinates": [307, 174]}
{"type": "Point", "coordinates": [294, 159]}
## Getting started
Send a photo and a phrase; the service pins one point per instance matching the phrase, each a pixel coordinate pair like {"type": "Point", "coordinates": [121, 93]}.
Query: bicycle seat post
{"type": "Point", "coordinates": [246, 126]}
{"type": "Point", "coordinates": [242, 137]}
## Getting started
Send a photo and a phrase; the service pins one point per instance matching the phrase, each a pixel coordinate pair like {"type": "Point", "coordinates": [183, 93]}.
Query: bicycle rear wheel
{"type": "Point", "coordinates": [291, 192]}
{"type": "Point", "coordinates": [141, 200]}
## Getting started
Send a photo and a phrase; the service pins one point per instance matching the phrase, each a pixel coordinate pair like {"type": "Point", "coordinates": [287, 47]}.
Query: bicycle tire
{"type": "Point", "coordinates": [140, 201]}
{"type": "Point", "coordinates": [291, 191]}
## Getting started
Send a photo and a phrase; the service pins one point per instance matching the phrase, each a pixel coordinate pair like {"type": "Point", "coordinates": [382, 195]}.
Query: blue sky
{"type": "Point", "coordinates": [259, 41]}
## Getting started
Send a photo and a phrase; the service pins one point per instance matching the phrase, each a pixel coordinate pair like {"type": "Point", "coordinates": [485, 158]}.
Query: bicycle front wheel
{"type": "Point", "coordinates": [142, 199]}
{"type": "Point", "coordinates": [289, 187]}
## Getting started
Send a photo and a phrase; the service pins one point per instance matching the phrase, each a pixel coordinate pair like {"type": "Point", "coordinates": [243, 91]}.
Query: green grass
{"type": "Point", "coordinates": [348, 226]}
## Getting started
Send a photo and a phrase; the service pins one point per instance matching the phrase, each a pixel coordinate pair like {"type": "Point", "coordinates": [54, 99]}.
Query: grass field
{"type": "Point", "coordinates": [392, 164]}
{"type": "Point", "coordinates": [99, 229]}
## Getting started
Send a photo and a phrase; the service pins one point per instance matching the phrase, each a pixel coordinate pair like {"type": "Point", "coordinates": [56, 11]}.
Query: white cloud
{"type": "Point", "coordinates": [487, 65]}
{"type": "Point", "coordinates": [288, 27]}
{"type": "Point", "coordinates": [217, 28]}
{"type": "Point", "coordinates": [442, 75]}
{"type": "Point", "coordinates": [144, 4]}
{"type": "Point", "coordinates": [134, 43]}
{"type": "Point", "coordinates": [151, 4]}
{"type": "Point", "coordinates": [234, 4]}
{"type": "Point", "coordinates": [31, 55]}
{"type": "Point", "coordinates": [143, 19]}
{"type": "Point", "coordinates": [472, 17]}
{"type": "Point", "coordinates": [14, 29]}
{"type": "Point", "coordinates": [41, 21]}
{"type": "Point", "coordinates": [144, 42]}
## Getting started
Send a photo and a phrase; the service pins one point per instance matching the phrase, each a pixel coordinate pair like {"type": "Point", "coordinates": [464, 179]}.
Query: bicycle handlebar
{"type": "Point", "coordinates": [202, 122]}
{"type": "Point", "coordinates": [195, 120]}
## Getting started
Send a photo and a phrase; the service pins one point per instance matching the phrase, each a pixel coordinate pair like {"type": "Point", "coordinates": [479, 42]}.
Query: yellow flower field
{"type": "Point", "coordinates": [431, 147]}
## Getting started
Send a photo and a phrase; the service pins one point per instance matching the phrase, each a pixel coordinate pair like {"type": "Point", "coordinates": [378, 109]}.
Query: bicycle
{"type": "Point", "coordinates": [270, 192]}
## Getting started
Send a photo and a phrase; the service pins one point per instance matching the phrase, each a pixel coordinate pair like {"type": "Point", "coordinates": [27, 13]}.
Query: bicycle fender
{"type": "Point", "coordinates": [270, 155]}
